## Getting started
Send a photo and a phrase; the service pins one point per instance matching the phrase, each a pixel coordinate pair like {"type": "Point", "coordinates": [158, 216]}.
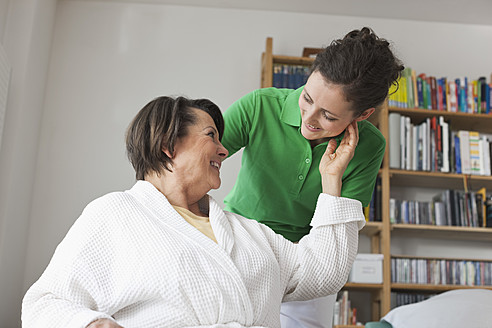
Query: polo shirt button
{"type": "Point", "coordinates": [308, 160]}
{"type": "Point", "coordinates": [300, 177]}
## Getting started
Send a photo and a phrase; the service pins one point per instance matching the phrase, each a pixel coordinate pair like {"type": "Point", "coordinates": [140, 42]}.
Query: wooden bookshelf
{"type": "Point", "coordinates": [381, 233]}
{"type": "Point", "coordinates": [372, 228]}
{"type": "Point", "coordinates": [359, 286]}
{"type": "Point", "coordinates": [459, 121]}
{"type": "Point", "coordinates": [437, 179]}
{"type": "Point", "coordinates": [433, 288]}
{"type": "Point", "coordinates": [446, 232]}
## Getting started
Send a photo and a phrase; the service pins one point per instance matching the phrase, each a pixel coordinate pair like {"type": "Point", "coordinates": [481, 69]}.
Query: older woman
{"type": "Point", "coordinates": [164, 253]}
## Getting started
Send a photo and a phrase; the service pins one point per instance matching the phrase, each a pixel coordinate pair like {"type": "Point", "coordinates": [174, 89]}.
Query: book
{"type": "Point", "coordinates": [474, 138]}
{"type": "Point", "coordinates": [445, 145]}
{"type": "Point", "coordinates": [483, 88]}
{"type": "Point", "coordinates": [415, 90]}
{"type": "Point", "coordinates": [464, 137]}
{"type": "Point", "coordinates": [485, 168]}
{"type": "Point", "coordinates": [394, 140]}
{"type": "Point", "coordinates": [336, 313]}
{"type": "Point", "coordinates": [408, 142]}
{"type": "Point", "coordinates": [433, 92]}
{"type": "Point", "coordinates": [452, 96]}
{"type": "Point", "coordinates": [457, 153]}
{"type": "Point", "coordinates": [420, 92]}
{"type": "Point", "coordinates": [402, 142]}
{"type": "Point", "coordinates": [481, 196]}
{"type": "Point", "coordinates": [378, 200]}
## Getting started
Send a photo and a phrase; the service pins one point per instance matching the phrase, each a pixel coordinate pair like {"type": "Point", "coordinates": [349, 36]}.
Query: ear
{"type": "Point", "coordinates": [167, 152]}
{"type": "Point", "coordinates": [365, 114]}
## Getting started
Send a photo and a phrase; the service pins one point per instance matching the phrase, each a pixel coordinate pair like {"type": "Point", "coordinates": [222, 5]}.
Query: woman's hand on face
{"type": "Point", "coordinates": [103, 323]}
{"type": "Point", "coordinates": [334, 162]}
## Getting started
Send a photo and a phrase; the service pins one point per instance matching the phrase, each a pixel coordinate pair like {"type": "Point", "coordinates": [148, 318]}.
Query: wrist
{"type": "Point", "coordinates": [332, 185]}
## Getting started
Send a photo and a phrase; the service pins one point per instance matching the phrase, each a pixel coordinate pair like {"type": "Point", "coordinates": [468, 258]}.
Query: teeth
{"type": "Point", "coordinates": [215, 164]}
{"type": "Point", "coordinates": [311, 126]}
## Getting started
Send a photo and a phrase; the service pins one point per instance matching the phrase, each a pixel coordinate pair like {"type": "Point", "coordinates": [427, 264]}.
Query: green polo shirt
{"type": "Point", "coordinates": [279, 180]}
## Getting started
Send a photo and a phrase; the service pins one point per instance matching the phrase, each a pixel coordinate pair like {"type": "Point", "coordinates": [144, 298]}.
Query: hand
{"type": "Point", "coordinates": [103, 323]}
{"type": "Point", "coordinates": [333, 163]}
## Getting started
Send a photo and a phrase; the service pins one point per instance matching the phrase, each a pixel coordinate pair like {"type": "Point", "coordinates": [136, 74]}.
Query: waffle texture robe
{"type": "Point", "coordinates": [131, 257]}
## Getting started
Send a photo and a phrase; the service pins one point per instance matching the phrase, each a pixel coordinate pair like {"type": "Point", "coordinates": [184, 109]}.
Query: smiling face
{"type": "Point", "coordinates": [198, 155]}
{"type": "Point", "coordinates": [324, 110]}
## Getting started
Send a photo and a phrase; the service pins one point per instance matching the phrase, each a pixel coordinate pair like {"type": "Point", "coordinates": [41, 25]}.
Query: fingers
{"type": "Point", "coordinates": [330, 148]}
{"type": "Point", "coordinates": [351, 136]}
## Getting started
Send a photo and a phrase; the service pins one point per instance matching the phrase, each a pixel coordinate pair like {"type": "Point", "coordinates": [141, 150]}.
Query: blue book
{"type": "Point", "coordinates": [429, 101]}
{"type": "Point", "coordinates": [420, 92]}
{"type": "Point", "coordinates": [444, 83]}
{"type": "Point", "coordinates": [457, 154]}
{"type": "Point", "coordinates": [488, 98]}
{"type": "Point", "coordinates": [277, 76]}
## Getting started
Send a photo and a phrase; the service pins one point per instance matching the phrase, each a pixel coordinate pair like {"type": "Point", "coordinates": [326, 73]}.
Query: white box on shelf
{"type": "Point", "coordinates": [368, 269]}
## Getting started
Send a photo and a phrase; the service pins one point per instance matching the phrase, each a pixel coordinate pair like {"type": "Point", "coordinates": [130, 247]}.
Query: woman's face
{"type": "Point", "coordinates": [324, 110]}
{"type": "Point", "coordinates": [198, 155]}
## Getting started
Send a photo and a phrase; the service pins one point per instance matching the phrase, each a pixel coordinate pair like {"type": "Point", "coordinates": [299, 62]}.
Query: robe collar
{"type": "Point", "coordinates": [157, 204]}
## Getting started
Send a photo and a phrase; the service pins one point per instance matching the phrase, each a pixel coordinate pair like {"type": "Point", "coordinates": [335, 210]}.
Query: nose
{"type": "Point", "coordinates": [222, 151]}
{"type": "Point", "coordinates": [309, 113]}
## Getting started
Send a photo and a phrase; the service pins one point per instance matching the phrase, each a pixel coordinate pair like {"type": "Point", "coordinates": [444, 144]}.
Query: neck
{"type": "Point", "coordinates": [316, 142]}
{"type": "Point", "coordinates": [175, 193]}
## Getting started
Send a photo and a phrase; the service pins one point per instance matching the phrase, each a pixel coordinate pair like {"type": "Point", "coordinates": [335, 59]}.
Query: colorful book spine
{"type": "Point", "coordinates": [474, 138]}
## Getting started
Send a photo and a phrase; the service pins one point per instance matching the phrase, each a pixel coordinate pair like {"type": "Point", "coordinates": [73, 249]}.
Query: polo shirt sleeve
{"type": "Point", "coordinates": [359, 184]}
{"type": "Point", "coordinates": [238, 119]}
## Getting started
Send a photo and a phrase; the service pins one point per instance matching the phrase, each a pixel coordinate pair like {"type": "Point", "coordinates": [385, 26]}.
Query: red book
{"type": "Point", "coordinates": [433, 86]}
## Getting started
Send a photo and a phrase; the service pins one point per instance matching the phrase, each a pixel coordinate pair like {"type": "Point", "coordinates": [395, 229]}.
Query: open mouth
{"type": "Point", "coordinates": [215, 164]}
{"type": "Point", "coordinates": [312, 128]}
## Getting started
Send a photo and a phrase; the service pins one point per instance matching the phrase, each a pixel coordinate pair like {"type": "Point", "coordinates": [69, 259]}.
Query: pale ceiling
{"type": "Point", "coordinates": [453, 11]}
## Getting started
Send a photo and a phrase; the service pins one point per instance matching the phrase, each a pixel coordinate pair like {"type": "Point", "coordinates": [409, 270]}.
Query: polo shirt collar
{"type": "Point", "coordinates": [291, 113]}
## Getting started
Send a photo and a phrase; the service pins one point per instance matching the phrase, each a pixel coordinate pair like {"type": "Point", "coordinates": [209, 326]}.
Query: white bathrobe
{"type": "Point", "coordinates": [131, 257]}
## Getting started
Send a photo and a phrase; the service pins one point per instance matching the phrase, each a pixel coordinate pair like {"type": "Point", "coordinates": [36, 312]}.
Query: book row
{"type": "Point", "coordinates": [399, 299]}
{"type": "Point", "coordinates": [343, 314]}
{"type": "Point", "coordinates": [448, 208]}
{"type": "Point", "coordinates": [454, 95]}
{"type": "Point", "coordinates": [373, 211]}
{"type": "Point", "coordinates": [289, 76]}
{"type": "Point", "coordinates": [432, 146]}
{"type": "Point", "coordinates": [441, 272]}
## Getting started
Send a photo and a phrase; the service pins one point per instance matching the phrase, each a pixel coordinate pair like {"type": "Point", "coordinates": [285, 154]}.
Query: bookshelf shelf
{"type": "Point", "coordinates": [381, 233]}
{"type": "Point", "coordinates": [372, 228]}
{"type": "Point", "coordinates": [437, 179]}
{"type": "Point", "coordinates": [434, 288]}
{"type": "Point", "coordinates": [289, 60]}
{"type": "Point", "coordinates": [459, 121]}
{"type": "Point", "coordinates": [358, 286]}
{"type": "Point", "coordinates": [446, 232]}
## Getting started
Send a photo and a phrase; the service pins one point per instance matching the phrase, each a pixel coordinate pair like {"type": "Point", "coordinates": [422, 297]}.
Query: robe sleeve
{"type": "Point", "coordinates": [320, 263]}
{"type": "Point", "coordinates": [68, 294]}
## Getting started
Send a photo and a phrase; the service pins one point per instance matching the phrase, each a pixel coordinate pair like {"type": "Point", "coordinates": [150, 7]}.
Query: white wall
{"type": "Point", "coordinates": [109, 59]}
{"type": "Point", "coordinates": [26, 30]}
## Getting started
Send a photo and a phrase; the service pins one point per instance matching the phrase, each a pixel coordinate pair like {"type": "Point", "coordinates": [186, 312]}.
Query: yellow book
{"type": "Point", "coordinates": [483, 193]}
{"type": "Point", "coordinates": [415, 91]}
{"type": "Point", "coordinates": [404, 92]}
{"type": "Point", "coordinates": [366, 213]}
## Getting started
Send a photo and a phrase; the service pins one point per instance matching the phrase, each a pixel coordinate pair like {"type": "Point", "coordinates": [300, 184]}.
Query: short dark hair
{"type": "Point", "coordinates": [160, 124]}
{"type": "Point", "coordinates": [363, 64]}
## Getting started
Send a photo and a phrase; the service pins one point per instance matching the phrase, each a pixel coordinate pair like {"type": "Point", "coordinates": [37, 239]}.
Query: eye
{"type": "Point", "coordinates": [211, 134]}
{"type": "Point", "coordinates": [327, 117]}
{"type": "Point", "coordinates": [308, 100]}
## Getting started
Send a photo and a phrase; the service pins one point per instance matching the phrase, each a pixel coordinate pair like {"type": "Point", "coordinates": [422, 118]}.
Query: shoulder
{"type": "Point", "coordinates": [113, 200]}
{"type": "Point", "coordinates": [266, 95]}
{"type": "Point", "coordinates": [108, 208]}
{"type": "Point", "coordinates": [370, 135]}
